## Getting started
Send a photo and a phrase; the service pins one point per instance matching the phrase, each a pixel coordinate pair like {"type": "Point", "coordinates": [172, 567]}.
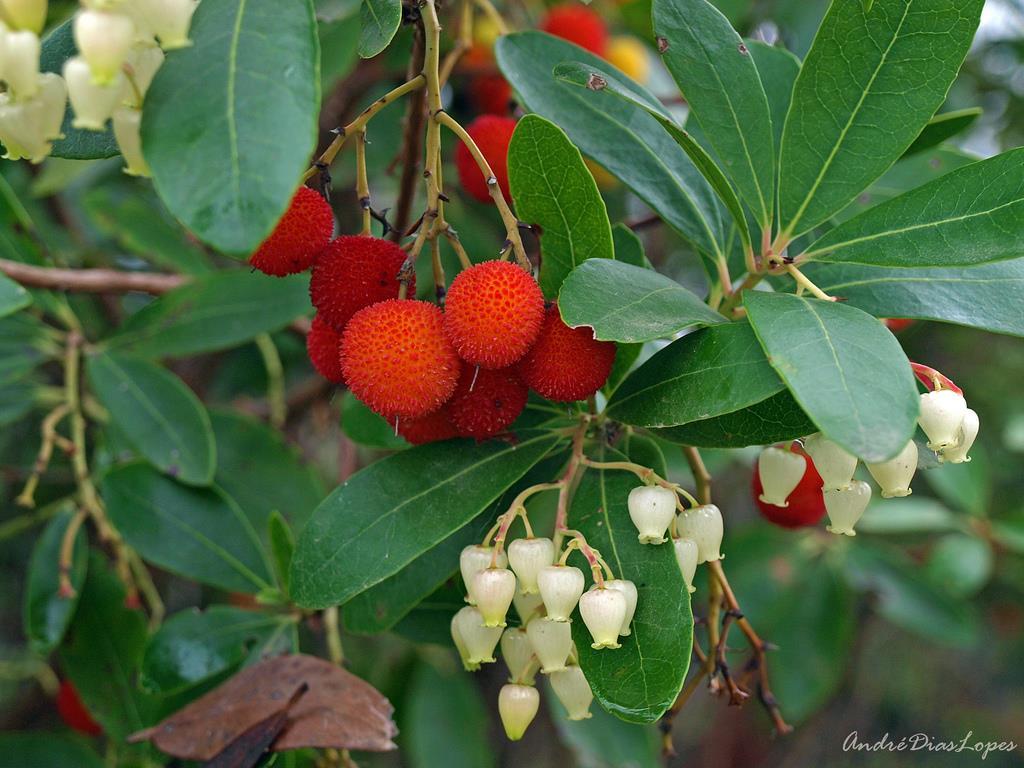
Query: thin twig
{"type": "Point", "coordinates": [89, 280]}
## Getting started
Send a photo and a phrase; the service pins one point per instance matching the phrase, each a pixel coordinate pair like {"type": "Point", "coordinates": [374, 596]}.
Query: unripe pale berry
{"type": "Point", "coordinates": [460, 643]}
{"type": "Point", "coordinates": [703, 524]}
{"type": "Point", "coordinates": [780, 472]}
{"type": "Point", "coordinates": [551, 642]}
{"type": "Point", "coordinates": [103, 40]}
{"type": "Point", "coordinates": [628, 590]}
{"type": "Point", "coordinates": [479, 641]}
{"type": "Point", "coordinates": [21, 64]}
{"type": "Point", "coordinates": [603, 611]}
{"type": "Point", "coordinates": [25, 14]}
{"type": "Point", "coordinates": [493, 589]}
{"type": "Point", "coordinates": [560, 589]}
{"type": "Point", "coordinates": [957, 453]}
{"type": "Point", "coordinates": [473, 559]}
{"type": "Point", "coordinates": [833, 463]}
{"type": "Point", "coordinates": [92, 104]}
{"type": "Point", "coordinates": [528, 606]}
{"type": "Point", "coordinates": [942, 414]}
{"type": "Point", "coordinates": [651, 508]}
{"type": "Point", "coordinates": [894, 475]}
{"type": "Point", "coordinates": [573, 690]}
{"type": "Point", "coordinates": [127, 122]}
{"type": "Point", "coordinates": [686, 556]}
{"type": "Point", "coordinates": [517, 651]}
{"type": "Point", "coordinates": [526, 557]}
{"type": "Point", "coordinates": [845, 506]}
{"type": "Point", "coordinates": [517, 705]}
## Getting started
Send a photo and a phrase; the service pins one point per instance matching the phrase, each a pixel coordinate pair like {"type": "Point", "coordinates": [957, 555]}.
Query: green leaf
{"type": "Point", "coordinates": [986, 296]}
{"type": "Point", "coordinates": [913, 514]}
{"type": "Point", "coordinates": [640, 680]}
{"type": "Point", "coordinates": [199, 533]}
{"type": "Point", "coordinates": [213, 312]}
{"type": "Point", "coordinates": [46, 750]}
{"type": "Point", "coordinates": [773, 420]}
{"type": "Point", "coordinates": [778, 70]}
{"type": "Point", "coordinates": [943, 126]}
{"type": "Point", "coordinates": [367, 428]}
{"type": "Point", "coordinates": [966, 486]}
{"type": "Point", "coordinates": [715, 371]}
{"type": "Point", "coordinates": [713, 68]}
{"type": "Point", "coordinates": [868, 85]}
{"type": "Point", "coordinates": [387, 514]}
{"type": "Point", "coordinates": [161, 417]}
{"type": "Point", "coordinates": [46, 613]}
{"type": "Point", "coordinates": [12, 296]}
{"type": "Point", "coordinates": [431, 620]}
{"type": "Point", "coordinates": [843, 367]}
{"type": "Point", "coordinates": [282, 546]}
{"type": "Point", "coordinates": [226, 141]}
{"type": "Point", "coordinates": [380, 20]}
{"type": "Point", "coordinates": [968, 216]}
{"type": "Point", "coordinates": [554, 190]}
{"type": "Point", "coordinates": [960, 565]}
{"type": "Point", "coordinates": [194, 646]}
{"type": "Point", "coordinates": [628, 247]}
{"type": "Point", "coordinates": [622, 137]}
{"type": "Point", "coordinates": [605, 741]}
{"type": "Point", "coordinates": [630, 304]}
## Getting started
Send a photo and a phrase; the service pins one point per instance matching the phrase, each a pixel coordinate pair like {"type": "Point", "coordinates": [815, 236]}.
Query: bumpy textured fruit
{"type": "Point", "coordinates": [397, 360]}
{"type": "Point", "coordinates": [566, 364]}
{"type": "Point", "coordinates": [323, 345]}
{"type": "Point", "coordinates": [486, 402]}
{"type": "Point", "coordinates": [73, 712]}
{"type": "Point", "coordinates": [353, 272]}
{"type": "Point", "coordinates": [428, 429]}
{"type": "Point", "coordinates": [493, 313]}
{"type": "Point", "coordinates": [298, 237]}
{"type": "Point", "coordinates": [806, 505]}
{"type": "Point", "coordinates": [578, 24]}
{"type": "Point", "coordinates": [491, 94]}
{"type": "Point", "coordinates": [492, 135]}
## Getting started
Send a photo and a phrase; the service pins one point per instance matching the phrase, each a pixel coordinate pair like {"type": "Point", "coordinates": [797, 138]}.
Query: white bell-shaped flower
{"type": "Point", "coordinates": [25, 14]}
{"type": "Point", "coordinates": [528, 606]}
{"type": "Point", "coordinates": [835, 465]}
{"type": "Point", "coordinates": [26, 127]}
{"type": "Point", "coordinates": [603, 611]}
{"type": "Point", "coordinates": [942, 414]}
{"type": "Point", "coordinates": [473, 559]}
{"type": "Point", "coordinates": [143, 61]}
{"type": "Point", "coordinates": [628, 590]}
{"type": "Point", "coordinates": [127, 123]}
{"type": "Point", "coordinates": [92, 104]}
{"type": "Point", "coordinates": [573, 690]}
{"type": "Point", "coordinates": [894, 475]}
{"type": "Point", "coordinates": [493, 589]}
{"type": "Point", "coordinates": [651, 508]}
{"type": "Point", "coordinates": [517, 705]}
{"type": "Point", "coordinates": [551, 642]}
{"type": "Point", "coordinates": [686, 556]}
{"type": "Point", "coordinates": [103, 40]}
{"type": "Point", "coordinates": [21, 64]}
{"type": "Point", "coordinates": [517, 652]}
{"type": "Point", "coordinates": [845, 506]}
{"type": "Point", "coordinates": [957, 453]}
{"type": "Point", "coordinates": [479, 641]}
{"type": "Point", "coordinates": [526, 557]}
{"type": "Point", "coordinates": [460, 643]}
{"type": "Point", "coordinates": [781, 471]}
{"type": "Point", "coordinates": [560, 589]}
{"type": "Point", "coordinates": [169, 20]}
{"type": "Point", "coordinates": [704, 526]}
{"type": "Point", "coordinates": [53, 93]}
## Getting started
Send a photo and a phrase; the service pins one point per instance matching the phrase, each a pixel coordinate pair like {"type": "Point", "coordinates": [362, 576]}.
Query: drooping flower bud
{"type": "Point", "coordinates": [780, 472]}
{"type": "Point", "coordinates": [127, 123]}
{"type": "Point", "coordinates": [26, 127]}
{"type": "Point", "coordinates": [473, 559]}
{"type": "Point", "coordinates": [573, 690]}
{"type": "Point", "coordinates": [92, 104]}
{"type": "Point", "coordinates": [651, 509]}
{"type": "Point", "coordinates": [551, 642]}
{"type": "Point", "coordinates": [103, 40]}
{"type": "Point", "coordinates": [526, 557]}
{"type": "Point", "coordinates": [603, 611]}
{"type": "Point", "coordinates": [686, 556]}
{"type": "Point", "coordinates": [460, 644]}
{"type": "Point", "coordinates": [169, 20]}
{"type": "Point", "coordinates": [560, 589]}
{"type": "Point", "coordinates": [628, 590]}
{"type": "Point", "coordinates": [528, 606]}
{"type": "Point", "coordinates": [518, 654]}
{"type": "Point", "coordinates": [957, 453]}
{"type": "Point", "coordinates": [894, 475]}
{"type": "Point", "coordinates": [517, 705]}
{"type": "Point", "coordinates": [942, 414]}
{"type": "Point", "coordinates": [493, 589]}
{"type": "Point", "coordinates": [479, 640]}
{"type": "Point", "coordinates": [144, 59]}
{"type": "Point", "coordinates": [25, 14]}
{"type": "Point", "coordinates": [833, 463]}
{"type": "Point", "coordinates": [703, 524]}
{"type": "Point", "coordinates": [21, 64]}
{"type": "Point", "coordinates": [845, 506]}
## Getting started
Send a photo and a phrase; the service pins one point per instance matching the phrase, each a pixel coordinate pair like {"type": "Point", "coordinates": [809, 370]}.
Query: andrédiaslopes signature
{"type": "Point", "coordinates": [923, 742]}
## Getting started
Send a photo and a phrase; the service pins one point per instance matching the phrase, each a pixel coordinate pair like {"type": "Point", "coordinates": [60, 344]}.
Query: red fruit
{"type": "Point", "coordinates": [493, 313]}
{"type": "Point", "coordinates": [396, 358]}
{"type": "Point", "coordinates": [490, 94]}
{"type": "Point", "coordinates": [577, 24]}
{"type": "Point", "coordinates": [486, 402]}
{"type": "Point", "coordinates": [323, 345]}
{"type": "Point", "coordinates": [428, 429]}
{"type": "Point", "coordinates": [492, 135]}
{"type": "Point", "coordinates": [73, 712]}
{"type": "Point", "coordinates": [897, 324]}
{"type": "Point", "coordinates": [566, 363]}
{"type": "Point", "coordinates": [353, 272]}
{"type": "Point", "coordinates": [806, 502]}
{"type": "Point", "coordinates": [298, 237]}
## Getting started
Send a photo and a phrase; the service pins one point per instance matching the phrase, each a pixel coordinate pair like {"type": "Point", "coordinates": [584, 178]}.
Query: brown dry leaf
{"type": "Point", "coordinates": [339, 710]}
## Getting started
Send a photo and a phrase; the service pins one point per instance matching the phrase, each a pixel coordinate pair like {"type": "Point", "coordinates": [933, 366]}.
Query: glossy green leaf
{"type": "Point", "coordinates": [160, 416]}
{"type": "Point", "coordinates": [39, 749]}
{"type": "Point", "coordinates": [12, 296]}
{"type": "Point", "coordinates": [213, 312]}
{"type": "Point", "coordinates": [554, 191]}
{"type": "Point", "coordinates": [628, 247]}
{"type": "Point", "coordinates": [392, 511]}
{"type": "Point", "coordinates": [46, 613]}
{"type": "Point", "coordinates": [868, 85]}
{"type": "Point", "coordinates": [844, 368]}
{"type": "Point", "coordinates": [713, 68]}
{"type": "Point", "coordinates": [194, 646]}
{"type": "Point", "coordinates": [282, 546]}
{"type": "Point", "coordinates": [778, 69]}
{"type": "Point", "coordinates": [367, 428]}
{"type": "Point", "coordinates": [711, 372]}
{"type": "Point", "coordinates": [773, 420]}
{"type": "Point", "coordinates": [199, 533]}
{"type": "Point", "coordinates": [226, 141]}
{"type": "Point", "coordinates": [630, 304]}
{"type": "Point", "coordinates": [943, 126]}
{"type": "Point", "coordinates": [640, 680]}
{"type": "Point", "coordinates": [379, 20]}
{"type": "Point", "coordinates": [605, 741]}
{"type": "Point", "coordinates": [968, 216]}
{"type": "Point", "coordinates": [623, 138]}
